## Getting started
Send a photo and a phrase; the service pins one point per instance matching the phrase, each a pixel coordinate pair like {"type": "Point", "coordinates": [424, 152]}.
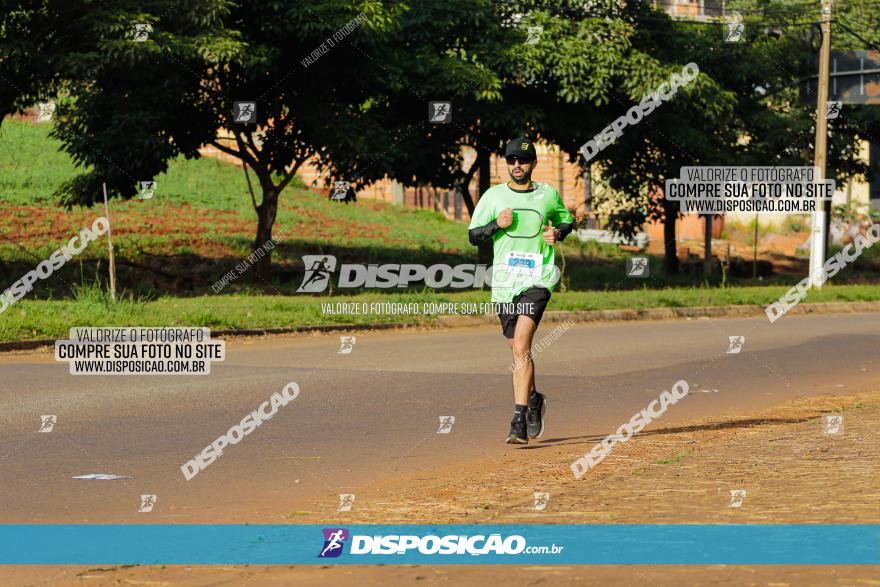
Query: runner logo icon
{"type": "Point", "coordinates": [147, 503]}
{"type": "Point", "coordinates": [736, 344]}
{"type": "Point", "coordinates": [334, 541]}
{"type": "Point", "coordinates": [318, 270]}
{"type": "Point", "coordinates": [446, 423]}
{"type": "Point", "coordinates": [346, 500]}
{"type": "Point", "coordinates": [637, 267]}
{"type": "Point", "coordinates": [346, 345]}
{"type": "Point", "coordinates": [737, 496]}
{"type": "Point", "coordinates": [833, 424]}
{"type": "Point", "coordinates": [48, 423]}
{"type": "Point", "coordinates": [542, 498]}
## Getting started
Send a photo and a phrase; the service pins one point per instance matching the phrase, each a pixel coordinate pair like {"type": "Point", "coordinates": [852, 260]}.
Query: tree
{"type": "Point", "coordinates": [590, 64]}
{"type": "Point", "coordinates": [499, 87]}
{"type": "Point", "coordinates": [35, 37]}
{"type": "Point", "coordinates": [567, 70]}
{"type": "Point", "coordinates": [325, 78]}
{"type": "Point", "coordinates": [744, 108]}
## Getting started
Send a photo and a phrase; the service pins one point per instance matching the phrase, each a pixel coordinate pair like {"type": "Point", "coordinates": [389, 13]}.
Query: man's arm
{"type": "Point", "coordinates": [563, 230]}
{"type": "Point", "coordinates": [484, 223]}
{"type": "Point", "coordinates": [480, 233]}
{"type": "Point", "coordinates": [564, 217]}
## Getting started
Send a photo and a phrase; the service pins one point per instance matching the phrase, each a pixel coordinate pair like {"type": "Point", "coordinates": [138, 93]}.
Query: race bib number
{"type": "Point", "coordinates": [519, 268]}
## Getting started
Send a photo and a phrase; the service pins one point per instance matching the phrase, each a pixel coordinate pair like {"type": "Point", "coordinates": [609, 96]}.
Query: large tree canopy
{"type": "Point", "coordinates": [744, 108]}
{"type": "Point", "coordinates": [346, 83]}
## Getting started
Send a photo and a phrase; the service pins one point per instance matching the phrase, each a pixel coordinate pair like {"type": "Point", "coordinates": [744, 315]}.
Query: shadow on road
{"type": "Point", "coordinates": [742, 423]}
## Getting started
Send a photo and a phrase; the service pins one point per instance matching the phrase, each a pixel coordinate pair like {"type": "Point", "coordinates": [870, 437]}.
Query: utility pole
{"type": "Point", "coordinates": [110, 247]}
{"type": "Point", "coordinates": [755, 251]}
{"type": "Point", "coordinates": [707, 245]}
{"type": "Point", "coordinates": [817, 236]}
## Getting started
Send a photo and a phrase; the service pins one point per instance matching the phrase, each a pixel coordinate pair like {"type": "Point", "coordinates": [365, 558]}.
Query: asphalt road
{"type": "Point", "coordinates": [373, 415]}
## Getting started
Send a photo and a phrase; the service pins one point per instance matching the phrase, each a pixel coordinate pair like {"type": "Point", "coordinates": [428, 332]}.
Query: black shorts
{"type": "Point", "coordinates": [531, 303]}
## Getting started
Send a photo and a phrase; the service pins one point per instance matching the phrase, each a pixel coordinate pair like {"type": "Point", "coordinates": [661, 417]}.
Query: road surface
{"type": "Point", "coordinates": [371, 416]}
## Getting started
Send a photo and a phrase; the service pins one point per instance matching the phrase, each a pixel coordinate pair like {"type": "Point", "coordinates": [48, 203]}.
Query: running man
{"type": "Point", "coordinates": [524, 219]}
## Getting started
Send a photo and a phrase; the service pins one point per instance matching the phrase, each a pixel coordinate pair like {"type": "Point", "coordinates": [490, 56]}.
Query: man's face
{"type": "Point", "coordinates": [520, 169]}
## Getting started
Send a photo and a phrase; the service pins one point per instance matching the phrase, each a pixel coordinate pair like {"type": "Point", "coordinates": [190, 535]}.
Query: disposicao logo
{"type": "Point", "coordinates": [335, 538]}
{"type": "Point", "coordinates": [319, 268]}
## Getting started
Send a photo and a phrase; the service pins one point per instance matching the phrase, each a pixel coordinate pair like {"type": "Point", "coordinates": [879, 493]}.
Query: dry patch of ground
{"type": "Point", "coordinates": [792, 470]}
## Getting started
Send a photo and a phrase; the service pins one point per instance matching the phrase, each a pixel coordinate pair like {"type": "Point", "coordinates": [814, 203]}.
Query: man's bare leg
{"type": "Point", "coordinates": [524, 368]}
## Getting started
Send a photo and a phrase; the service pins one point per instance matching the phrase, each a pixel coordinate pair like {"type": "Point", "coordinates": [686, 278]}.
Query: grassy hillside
{"type": "Point", "coordinates": [32, 166]}
{"type": "Point", "coordinates": [200, 224]}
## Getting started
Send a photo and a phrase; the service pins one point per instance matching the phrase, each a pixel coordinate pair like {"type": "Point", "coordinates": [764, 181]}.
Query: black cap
{"type": "Point", "coordinates": [523, 147]}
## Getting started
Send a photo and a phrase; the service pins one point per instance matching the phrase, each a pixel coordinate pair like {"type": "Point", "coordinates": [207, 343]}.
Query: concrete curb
{"type": "Point", "coordinates": [26, 345]}
{"type": "Point", "coordinates": [558, 316]}
{"type": "Point", "coordinates": [673, 313]}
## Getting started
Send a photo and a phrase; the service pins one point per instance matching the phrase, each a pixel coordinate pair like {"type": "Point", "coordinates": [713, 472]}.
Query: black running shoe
{"type": "Point", "coordinates": [518, 433]}
{"type": "Point", "coordinates": [535, 415]}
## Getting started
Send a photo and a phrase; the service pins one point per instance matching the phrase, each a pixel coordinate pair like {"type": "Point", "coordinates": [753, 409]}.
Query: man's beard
{"type": "Point", "coordinates": [524, 179]}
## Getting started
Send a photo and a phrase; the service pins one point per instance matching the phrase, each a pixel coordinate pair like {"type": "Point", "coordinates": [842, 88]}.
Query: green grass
{"type": "Point", "coordinates": [857, 405]}
{"type": "Point", "coordinates": [32, 167]}
{"type": "Point", "coordinates": [31, 319]}
{"type": "Point", "coordinates": [21, 180]}
{"type": "Point", "coordinates": [677, 458]}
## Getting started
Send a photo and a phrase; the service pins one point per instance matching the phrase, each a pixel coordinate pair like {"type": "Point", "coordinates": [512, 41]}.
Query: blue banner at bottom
{"type": "Point", "coordinates": [661, 544]}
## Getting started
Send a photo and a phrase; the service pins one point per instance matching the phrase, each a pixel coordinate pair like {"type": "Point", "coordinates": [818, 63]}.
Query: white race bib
{"type": "Point", "coordinates": [518, 268]}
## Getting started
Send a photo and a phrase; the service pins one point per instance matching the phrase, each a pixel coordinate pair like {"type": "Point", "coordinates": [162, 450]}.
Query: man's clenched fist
{"type": "Point", "coordinates": [505, 218]}
{"type": "Point", "coordinates": [550, 234]}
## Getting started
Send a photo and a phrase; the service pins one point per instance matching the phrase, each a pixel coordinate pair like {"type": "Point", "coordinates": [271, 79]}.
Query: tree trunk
{"type": "Point", "coordinates": [484, 251]}
{"type": "Point", "coordinates": [266, 213]}
{"type": "Point", "coordinates": [670, 215]}
{"type": "Point", "coordinates": [707, 243]}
